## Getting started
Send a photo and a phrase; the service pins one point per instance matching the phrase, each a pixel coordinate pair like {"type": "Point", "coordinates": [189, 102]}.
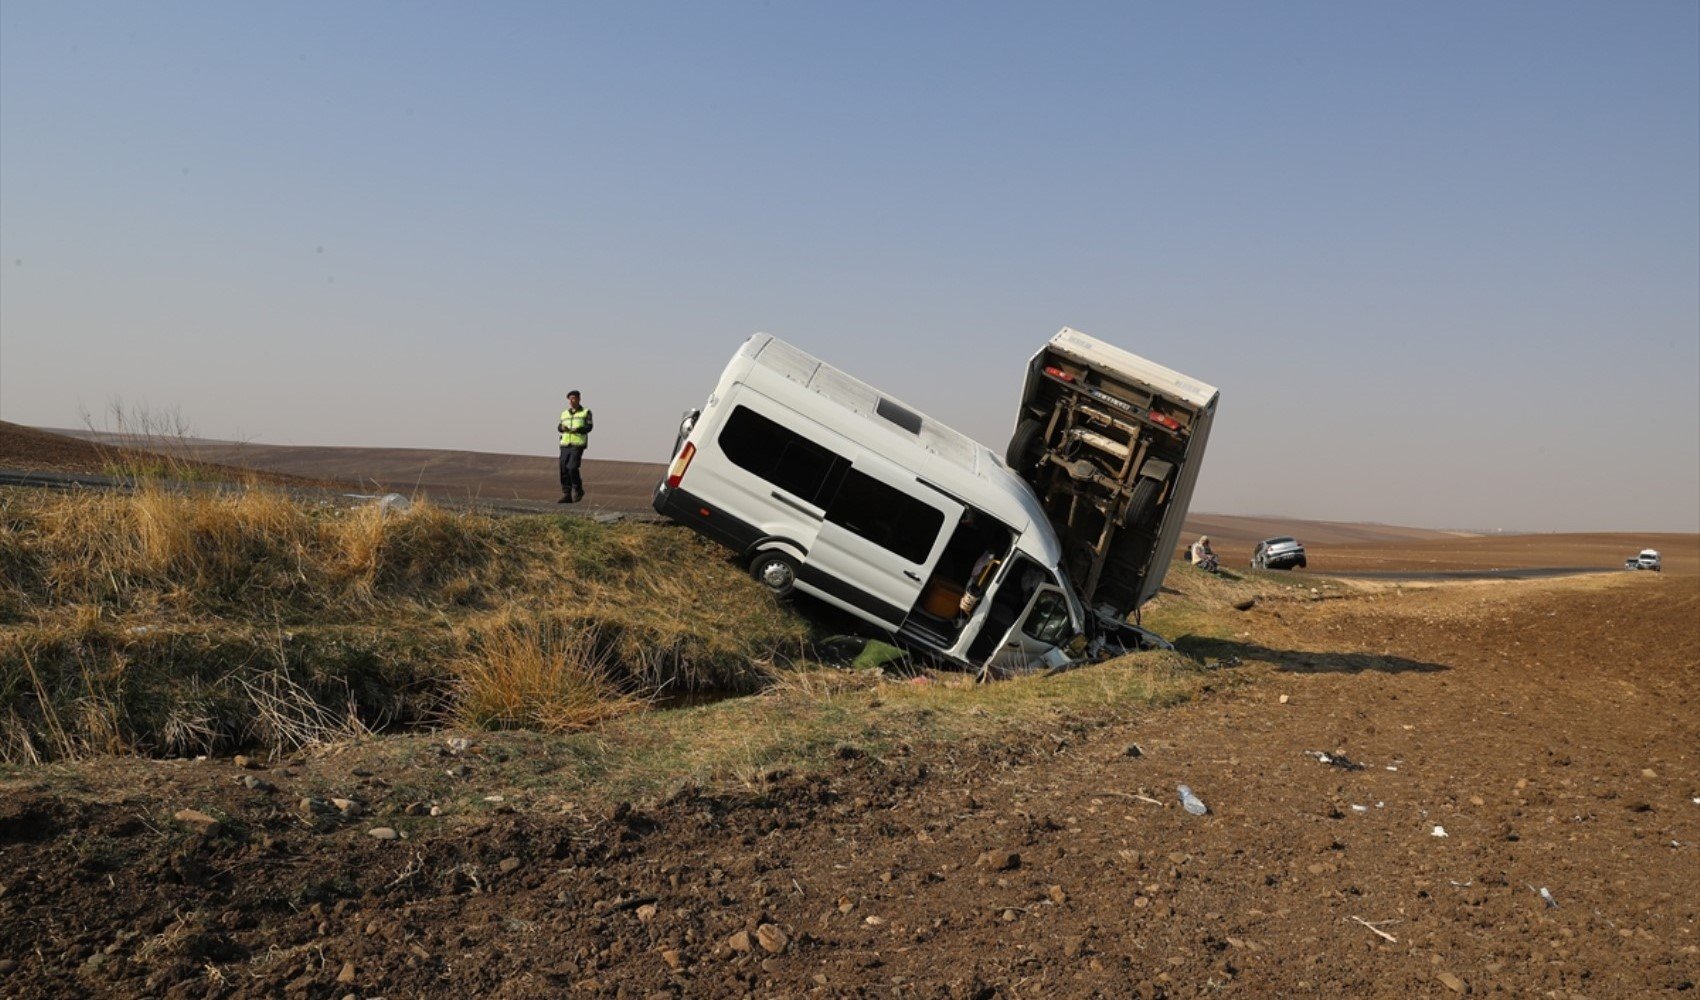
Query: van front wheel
{"type": "Point", "coordinates": [776, 571]}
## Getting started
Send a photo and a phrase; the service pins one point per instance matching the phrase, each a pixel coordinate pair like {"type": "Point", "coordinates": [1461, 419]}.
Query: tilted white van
{"type": "Point", "coordinates": [825, 485]}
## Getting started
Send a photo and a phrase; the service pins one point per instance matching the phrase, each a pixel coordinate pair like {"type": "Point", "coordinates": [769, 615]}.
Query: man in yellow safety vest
{"type": "Point", "coordinates": [575, 426]}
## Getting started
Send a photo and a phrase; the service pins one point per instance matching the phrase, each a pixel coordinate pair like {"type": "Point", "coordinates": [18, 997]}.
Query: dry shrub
{"type": "Point", "coordinates": [286, 716]}
{"type": "Point", "coordinates": [544, 675]}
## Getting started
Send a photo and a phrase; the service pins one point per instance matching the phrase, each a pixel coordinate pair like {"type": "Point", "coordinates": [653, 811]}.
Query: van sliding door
{"type": "Point", "coordinates": [882, 535]}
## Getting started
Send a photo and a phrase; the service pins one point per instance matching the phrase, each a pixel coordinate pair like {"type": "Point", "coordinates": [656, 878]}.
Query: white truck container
{"type": "Point", "coordinates": [1112, 444]}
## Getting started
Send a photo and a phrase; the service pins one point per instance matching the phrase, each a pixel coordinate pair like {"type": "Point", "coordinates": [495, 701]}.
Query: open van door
{"type": "Point", "coordinates": [1036, 638]}
{"type": "Point", "coordinates": [881, 536]}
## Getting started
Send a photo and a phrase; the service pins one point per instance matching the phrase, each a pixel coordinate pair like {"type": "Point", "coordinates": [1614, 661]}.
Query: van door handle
{"type": "Point", "coordinates": [912, 576]}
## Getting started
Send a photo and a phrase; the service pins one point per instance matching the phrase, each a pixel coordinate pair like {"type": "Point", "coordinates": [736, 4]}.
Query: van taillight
{"type": "Point", "coordinates": [1167, 421]}
{"type": "Point", "coordinates": [1056, 372]}
{"type": "Point", "coordinates": [676, 471]}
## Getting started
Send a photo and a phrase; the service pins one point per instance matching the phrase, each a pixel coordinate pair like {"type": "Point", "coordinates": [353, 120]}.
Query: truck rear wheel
{"type": "Point", "coordinates": [1143, 503]}
{"type": "Point", "coordinates": [1026, 445]}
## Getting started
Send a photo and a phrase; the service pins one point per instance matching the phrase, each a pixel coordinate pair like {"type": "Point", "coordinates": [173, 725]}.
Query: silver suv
{"type": "Point", "coordinates": [1278, 553]}
{"type": "Point", "coordinates": [1647, 559]}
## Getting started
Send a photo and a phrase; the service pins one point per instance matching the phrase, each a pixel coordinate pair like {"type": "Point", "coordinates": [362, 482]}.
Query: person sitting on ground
{"type": "Point", "coordinates": [1202, 556]}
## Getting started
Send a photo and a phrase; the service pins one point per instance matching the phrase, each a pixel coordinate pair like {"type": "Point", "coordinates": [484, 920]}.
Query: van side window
{"type": "Point", "coordinates": [888, 517]}
{"type": "Point", "coordinates": [781, 456]}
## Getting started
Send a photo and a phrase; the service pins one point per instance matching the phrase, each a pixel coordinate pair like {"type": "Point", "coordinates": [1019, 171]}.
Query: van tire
{"type": "Point", "coordinates": [776, 571]}
{"type": "Point", "coordinates": [1026, 445]}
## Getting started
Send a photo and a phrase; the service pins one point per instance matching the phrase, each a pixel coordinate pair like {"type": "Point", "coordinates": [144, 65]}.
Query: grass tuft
{"type": "Point", "coordinates": [550, 676]}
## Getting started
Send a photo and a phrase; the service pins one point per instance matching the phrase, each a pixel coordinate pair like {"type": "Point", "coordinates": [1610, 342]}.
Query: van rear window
{"type": "Point", "coordinates": [781, 456]}
{"type": "Point", "coordinates": [886, 516]}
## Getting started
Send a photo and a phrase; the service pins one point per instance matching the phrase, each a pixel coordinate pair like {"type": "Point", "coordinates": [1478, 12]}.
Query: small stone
{"type": "Point", "coordinates": [510, 865]}
{"type": "Point", "coordinates": [740, 942]}
{"type": "Point", "coordinates": [245, 762]}
{"type": "Point", "coordinates": [348, 807]}
{"type": "Point", "coordinates": [873, 921]}
{"type": "Point", "coordinates": [7, 965]}
{"type": "Point", "coordinates": [436, 810]}
{"type": "Point", "coordinates": [1477, 800]}
{"type": "Point", "coordinates": [382, 833]}
{"type": "Point", "coordinates": [346, 976]}
{"type": "Point", "coordinates": [256, 784]}
{"type": "Point", "coordinates": [772, 939]}
{"type": "Point", "coordinates": [1647, 772]}
{"type": "Point", "coordinates": [198, 821]}
{"type": "Point", "coordinates": [1450, 981]}
{"type": "Point", "coordinates": [646, 913]}
{"type": "Point", "coordinates": [674, 960]}
{"type": "Point", "coordinates": [1000, 861]}
{"type": "Point", "coordinates": [1285, 698]}
{"type": "Point", "coordinates": [313, 807]}
{"type": "Point", "coordinates": [1009, 916]}
{"type": "Point", "coordinates": [1058, 896]}
{"type": "Point", "coordinates": [1133, 750]}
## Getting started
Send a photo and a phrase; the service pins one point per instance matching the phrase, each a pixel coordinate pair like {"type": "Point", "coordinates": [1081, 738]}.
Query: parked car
{"type": "Point", "coordinates": [1647, 559]}
{"type": "Point", "coordinates": [1278, 553]}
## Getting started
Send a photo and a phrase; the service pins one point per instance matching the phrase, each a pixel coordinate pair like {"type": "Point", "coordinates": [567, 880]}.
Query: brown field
{"type": "Point", "coordinates": [846, 834]}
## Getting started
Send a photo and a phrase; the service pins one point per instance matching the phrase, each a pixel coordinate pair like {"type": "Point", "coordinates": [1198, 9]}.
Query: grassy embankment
{"type": "Point", "coordinates": [170, 623]}
{"type": "Point", "coordinates": [159, 623]}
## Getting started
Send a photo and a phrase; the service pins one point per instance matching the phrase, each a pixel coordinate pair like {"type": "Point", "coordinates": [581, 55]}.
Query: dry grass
{"type": "Point", "coordinates": [170, 622]}
{"type": "Point", "coordinates": [524, 674]}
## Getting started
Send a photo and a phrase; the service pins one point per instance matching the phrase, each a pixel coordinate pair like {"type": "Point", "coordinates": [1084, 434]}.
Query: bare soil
{"type": "Point", "coordinates": [1550, 728]}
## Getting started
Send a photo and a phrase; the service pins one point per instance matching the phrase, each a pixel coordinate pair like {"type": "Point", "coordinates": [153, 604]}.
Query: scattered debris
{"type": "Point", "coordinates": [1438, 831]}
{"type": "Point", "coordinates": [1545, 894]}
{"type": "Point", "coordinates": [458, 744]}
{"type": "Point", "coordinates": [1359, 809]}
{"type": "Point", "coordinates": [1451, 982]}
{"type": "Point", "coordinates": [1190, 802]}
{"type": "Point", "coordinates": [1338, 760]}
{"type": "Point", "coordinates": [1461, 885]}
{"type": "Point", "coordinates": [1376, 929]}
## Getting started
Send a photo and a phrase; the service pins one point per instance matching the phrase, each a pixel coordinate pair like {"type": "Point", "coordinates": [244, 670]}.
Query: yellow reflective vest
{"type": "Point", "coordinates": [575, 426]}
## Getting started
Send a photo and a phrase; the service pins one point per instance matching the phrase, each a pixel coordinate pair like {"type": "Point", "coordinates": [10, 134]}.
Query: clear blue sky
{"type": "Point", "coordinates": [1442, 259]}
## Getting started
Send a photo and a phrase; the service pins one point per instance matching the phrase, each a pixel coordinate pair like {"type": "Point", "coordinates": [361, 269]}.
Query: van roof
{"type": "Point", "coordinates": [958, 464]}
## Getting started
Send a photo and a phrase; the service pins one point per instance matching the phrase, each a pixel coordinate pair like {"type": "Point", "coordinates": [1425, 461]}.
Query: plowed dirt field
{"type": "Point", "coordinates": [1549, 729]}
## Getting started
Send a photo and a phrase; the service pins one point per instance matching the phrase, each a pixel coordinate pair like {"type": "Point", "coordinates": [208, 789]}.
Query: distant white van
{"type": "Point", "coordinates": [825, 485]}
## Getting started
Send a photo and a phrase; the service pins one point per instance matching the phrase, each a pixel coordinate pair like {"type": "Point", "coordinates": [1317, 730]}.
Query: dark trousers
{"type": "Point", "coordinates": [571, 456]}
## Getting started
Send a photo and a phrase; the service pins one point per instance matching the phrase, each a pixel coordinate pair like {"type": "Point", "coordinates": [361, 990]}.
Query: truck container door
{"type": "Point", "coordinates": [882, 533]}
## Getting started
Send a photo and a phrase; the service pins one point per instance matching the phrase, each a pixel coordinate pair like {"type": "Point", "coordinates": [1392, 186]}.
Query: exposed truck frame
{"type": "Point", "coordinates": [1112, 444]}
